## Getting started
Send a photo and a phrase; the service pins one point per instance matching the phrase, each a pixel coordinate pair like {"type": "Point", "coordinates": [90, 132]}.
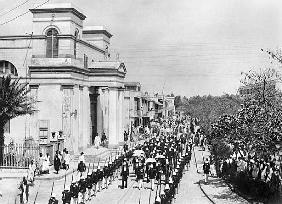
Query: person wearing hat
{"type": "Point", "coordinates": [94, 178]}
{"type": "Point", "coordinates": [57, 162]}
{"type": "Point", "coordinates": [124, 174]}
{"type": "Point", "coordinates": [53, 199]}
{"type": "Point", "coordinates": [152, 175]}
{"type": "Point", "coordinates": [74, 190]}
{"type": "Point", "coordinates": [206, 168]}
{"type": "Point", "coordinates": [100, 178]}
{"type": "Point", "coordinates": [139, 174]}
{"type": "Point", "coordinates": [82, 189]}
{"type": "Point", "coordinates": [163, 197]}
{"type": "Point", "coordinates": [89, 185]}
{"type": "Point", "coordinates": [66, 196]}
{"type": "Point", "coordinates": [111, 172]}
{"type": "Point", "coordinates": [106, 175]}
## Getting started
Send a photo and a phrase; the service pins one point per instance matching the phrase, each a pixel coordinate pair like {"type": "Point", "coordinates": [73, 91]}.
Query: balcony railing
{"type": "Point", "coordinates": [56, 62]}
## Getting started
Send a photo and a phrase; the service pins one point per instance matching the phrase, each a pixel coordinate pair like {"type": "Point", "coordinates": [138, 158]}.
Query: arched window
{"type": "Point", "coordinates": [74, 46]}
{"type": "Point", "coordinates": [52, 48]}
{"type": "Point", "coordinates": [8, 68]}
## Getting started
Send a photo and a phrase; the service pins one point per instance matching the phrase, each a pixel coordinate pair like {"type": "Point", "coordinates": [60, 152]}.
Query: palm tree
{"type": "Point", "coordinates": [14, 101]}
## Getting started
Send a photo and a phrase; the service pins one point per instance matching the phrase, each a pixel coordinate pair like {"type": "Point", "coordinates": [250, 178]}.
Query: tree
{"type": "Point", "coordinates": [256, 127]}
{"type": "Point", "coordinates": [14, 101]}
{"type": "Point", "coordinates": [208, 109]}
{"type": "Point", "coordinates": [177, 101]}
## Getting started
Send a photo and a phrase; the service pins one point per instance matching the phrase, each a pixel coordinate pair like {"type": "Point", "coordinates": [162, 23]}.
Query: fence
{"type": "Point", "coordinates": [18, 155]}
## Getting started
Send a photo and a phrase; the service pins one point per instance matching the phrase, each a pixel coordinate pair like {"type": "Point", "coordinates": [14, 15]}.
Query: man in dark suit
{"type": "Point", "coordinates": [124, 173]}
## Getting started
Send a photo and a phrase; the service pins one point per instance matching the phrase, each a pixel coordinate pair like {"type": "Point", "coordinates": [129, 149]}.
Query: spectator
{"type": "Point", "coordinates": [206, 168]}
{"type": "Point", "coordinates": [97, 141]}
{"type": "Point", "coordinates": [57, 162]}
{"type": "Point", "coordinates": [104, 139]}
{"type": "Point", "coordinates": [67, 160]}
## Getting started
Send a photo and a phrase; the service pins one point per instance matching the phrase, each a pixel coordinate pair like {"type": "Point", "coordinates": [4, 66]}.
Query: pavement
{"type": "Point", "coordinates": [216, 190]}
{"type": "Point", "coordinates": [191, 190]}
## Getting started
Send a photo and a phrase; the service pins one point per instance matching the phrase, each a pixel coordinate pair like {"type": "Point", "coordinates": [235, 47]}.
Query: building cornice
{"type": "Point", "coordinates": [74, 69]}
{"type": "Point", "coordinates": [109, 35]}
{"type": "Point", "coordinates": [59, 10]}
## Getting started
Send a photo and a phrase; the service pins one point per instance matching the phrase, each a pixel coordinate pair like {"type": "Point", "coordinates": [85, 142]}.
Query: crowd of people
{"type": "Point", "coordinates": [161, 160]}
{"type": "Point", "coordinates": [260, 177]}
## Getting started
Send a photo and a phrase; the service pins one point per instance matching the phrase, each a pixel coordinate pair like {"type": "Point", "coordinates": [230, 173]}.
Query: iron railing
{"type": "Point", "coordinates": [18, 155]}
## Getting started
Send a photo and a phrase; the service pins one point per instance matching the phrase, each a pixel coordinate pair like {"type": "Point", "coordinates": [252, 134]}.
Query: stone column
{"type": "Point", "coordinates": [77, 143]}
{"type": "Point", "coordinates": [86, 117]}
{"type": "Point", "coordinates": [66, 117]}
{"type": "Point", "coordinates": [113, 117]}
{"type": "Point", "coordinates": [120, 116]}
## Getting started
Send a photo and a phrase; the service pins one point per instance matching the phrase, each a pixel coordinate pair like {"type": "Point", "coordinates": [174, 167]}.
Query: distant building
{"type": "Point", "coordinates": [132, 105]}
{"type": "Point", "coordinates": [140, 108]}
{"type": "Point", "coordinates": [79, 87]}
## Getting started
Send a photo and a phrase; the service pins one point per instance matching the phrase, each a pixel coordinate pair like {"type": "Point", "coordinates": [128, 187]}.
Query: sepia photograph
{"type": "Point", "coordinates": [140, 101]}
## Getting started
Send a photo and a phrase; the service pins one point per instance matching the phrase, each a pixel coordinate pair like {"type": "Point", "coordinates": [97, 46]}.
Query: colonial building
{"type": "Point", "coordinates": [79, 89]}
{"type": "Point", "coordinates": [140, 108]}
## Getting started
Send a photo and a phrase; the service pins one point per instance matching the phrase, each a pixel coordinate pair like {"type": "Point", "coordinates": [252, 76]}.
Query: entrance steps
{"type": "Point", "coordinates": [94, 155]}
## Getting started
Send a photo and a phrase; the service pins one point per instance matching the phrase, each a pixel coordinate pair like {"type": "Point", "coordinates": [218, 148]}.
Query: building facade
{"type": "Point", "coordinates": [79, 89]}
{"type": "Point", "coordinates": [140, 108]}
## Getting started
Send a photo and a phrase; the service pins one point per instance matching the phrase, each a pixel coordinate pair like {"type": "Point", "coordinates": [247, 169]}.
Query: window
{"type": "Point", "coordinates": [52, 48]}
{"type": "Point", "coordinates": [8, 68]}
{"type": "Point", "coordinates": [43, 129]}
{"type": "Point", "coordinates": [85, 61]}
{"type": "Point", "coordinates": [75, 36]}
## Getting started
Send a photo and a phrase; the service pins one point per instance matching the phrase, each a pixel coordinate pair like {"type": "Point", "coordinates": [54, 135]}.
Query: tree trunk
{"type": "Point", "coordinates": [1, 145]}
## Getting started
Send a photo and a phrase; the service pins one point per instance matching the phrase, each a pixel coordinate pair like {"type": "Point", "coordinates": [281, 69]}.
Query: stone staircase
{"type": "Point", "coordinates": [92, 155]}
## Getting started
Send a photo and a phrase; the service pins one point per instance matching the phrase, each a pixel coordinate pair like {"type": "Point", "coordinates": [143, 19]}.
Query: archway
{"type": "Point", "coordinates": [7, 67]}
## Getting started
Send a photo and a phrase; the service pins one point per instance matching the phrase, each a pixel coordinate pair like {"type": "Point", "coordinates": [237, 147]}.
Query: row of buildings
{"type": "Point", "coordinates": [81, 91]}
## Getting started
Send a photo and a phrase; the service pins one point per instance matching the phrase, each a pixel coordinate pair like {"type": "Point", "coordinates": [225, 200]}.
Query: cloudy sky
{"type": "Point", "coordinates": [188, 47]}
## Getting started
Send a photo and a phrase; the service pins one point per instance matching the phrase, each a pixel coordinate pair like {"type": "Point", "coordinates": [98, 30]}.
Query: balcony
{"type": "Point", "coordinates": [56, 62]}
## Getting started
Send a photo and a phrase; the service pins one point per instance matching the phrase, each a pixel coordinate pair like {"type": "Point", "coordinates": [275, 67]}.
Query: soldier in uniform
{"type": "Point", "coordinates": [66, 196]}
{"type": "Point", "coordinates": [100, 178]}
{"type": "Point", "coordinates": [111, 172]}
{"type": "Point", "coordinates": [82, 189]}
{"type": "Point", "coordinates": [74, 190]}
{"type": "Point", "coordinates": [152, 175]}
{"type": "Point", "coordinates": [139, 174]}
{"type": "Point", "coordinates": [81, 167]}
{"type": "Point", "coordinates": [94, 177]}
{"type": "Point", "coordinates": [53, 199]}
{"type": "Point", "coordinates": [163, 197]}
{"type": "Point", "coordinates": [89, 185]}
{"type": "Point", "coordinates": [124, 174]}
{"type": "Point", "coordinates": [106, 175]}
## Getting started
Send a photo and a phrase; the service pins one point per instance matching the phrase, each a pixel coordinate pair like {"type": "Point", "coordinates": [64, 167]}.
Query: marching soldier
{"type": "Point", "coordinates": [82, 190]}
{"type": "Point", "coordinates": [106, 175]}
{"type": "Point", "coordinates": [111, 172]}
{"type": "Point", "coordinates": [100, 178]}
{"type": "Point", "coordinates": [124, 174]}
{"type": "Point", "coordinates": [53, 199]}
{"type": "Point", "coordinates": [152, 176]}
{"type": "Point", "coordinates": [66, 197]}
{"type": "Point", "coordinates": [95, 179]}
{"type": "Point", "coordinates": [89, 185]}
{"type": "Point", "coordinates": [163, 197]}
{"type": "Point", "coordinates": [139, 174]}
{"type": "Point", "coordinates": [74, 190]}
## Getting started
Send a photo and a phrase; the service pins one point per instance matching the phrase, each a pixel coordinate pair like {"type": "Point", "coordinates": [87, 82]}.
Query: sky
{"type": "Point", "coordinates": [185, 47]}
